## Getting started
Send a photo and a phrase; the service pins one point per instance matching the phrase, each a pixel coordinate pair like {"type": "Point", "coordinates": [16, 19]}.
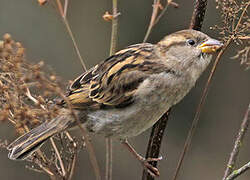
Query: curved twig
{"type": "Point", "coordinates": [234, 154]}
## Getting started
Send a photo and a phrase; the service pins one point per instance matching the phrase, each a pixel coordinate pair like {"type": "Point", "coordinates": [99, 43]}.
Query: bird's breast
{"type": "Point", "coordinates": [153, 98]}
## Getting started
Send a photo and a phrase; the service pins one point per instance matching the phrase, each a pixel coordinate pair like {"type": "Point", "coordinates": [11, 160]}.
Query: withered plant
{"type": "Point", "coordinates": [27, 95]}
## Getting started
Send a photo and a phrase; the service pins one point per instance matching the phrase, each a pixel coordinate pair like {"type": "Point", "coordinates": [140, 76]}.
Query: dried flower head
{"type": "Point", "coordinates": [26, 100]}
{"type": "Point", "coordinates": [235, 25]}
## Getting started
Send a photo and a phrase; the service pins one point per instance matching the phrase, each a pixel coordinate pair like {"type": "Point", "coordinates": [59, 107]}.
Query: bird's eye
{"type": "Point", "coordinates": [191, 42]}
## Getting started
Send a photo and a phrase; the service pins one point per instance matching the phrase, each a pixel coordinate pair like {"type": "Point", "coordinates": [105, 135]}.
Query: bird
{"type": "Point", "coordinates": [128, 92]}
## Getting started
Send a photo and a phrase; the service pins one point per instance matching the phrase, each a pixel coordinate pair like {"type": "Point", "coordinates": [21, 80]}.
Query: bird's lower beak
{"type": "Point", "coordinates": [210, 46]}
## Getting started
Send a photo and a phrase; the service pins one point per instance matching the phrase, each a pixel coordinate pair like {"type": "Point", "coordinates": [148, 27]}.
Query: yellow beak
{"type": "Point", "coordinates": [210, 46]}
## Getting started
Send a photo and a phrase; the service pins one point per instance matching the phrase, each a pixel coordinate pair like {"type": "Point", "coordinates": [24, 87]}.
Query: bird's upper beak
{"type": "Point", "coordinates": [210, 46]}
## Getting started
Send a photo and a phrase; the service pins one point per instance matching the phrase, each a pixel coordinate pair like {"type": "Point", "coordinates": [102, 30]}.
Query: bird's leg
{"type": "Point", "coordinates": [153, 171]}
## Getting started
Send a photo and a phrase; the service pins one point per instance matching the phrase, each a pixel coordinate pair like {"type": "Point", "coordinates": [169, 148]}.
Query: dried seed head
{"type": "Point", "coordinates": [7, 38]}
{"type": "Point", "coordinates": [1, 45]}
{"type": "Point", "coordinates": [107, 16]}
{"type": "Point", "coordinates": [42, 2]}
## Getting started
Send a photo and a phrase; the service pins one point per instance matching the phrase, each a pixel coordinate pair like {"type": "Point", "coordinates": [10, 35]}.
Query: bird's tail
{"type": "Point", "coordinates": [25, 145]}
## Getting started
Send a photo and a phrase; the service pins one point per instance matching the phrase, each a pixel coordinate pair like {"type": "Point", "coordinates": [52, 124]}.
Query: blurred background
{"type": "Point", "coordinates": [44, 36]}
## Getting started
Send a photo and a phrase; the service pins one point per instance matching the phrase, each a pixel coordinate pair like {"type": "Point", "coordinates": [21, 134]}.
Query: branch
{"type": "Point", "coordinates": [235, 152]}
{"type": "Point", "coordinates": [198, 111]}
{"type": "Point", "coordinates": [154, 18]}
{"type": "Point", "coordinates": [198, 14]}
{"type": "Point", "coordinates": [154, 148]}
{"type": "Point", "coordinates": [113, 46]}
{"type": "Point", "coordinates": [238, 172]}
{"type": "Point", "coordinates": [154, 143]}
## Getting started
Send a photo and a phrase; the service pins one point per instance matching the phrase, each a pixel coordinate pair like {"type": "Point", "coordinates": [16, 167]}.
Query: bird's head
{"type": "Point", "coordinates": [188, 50]}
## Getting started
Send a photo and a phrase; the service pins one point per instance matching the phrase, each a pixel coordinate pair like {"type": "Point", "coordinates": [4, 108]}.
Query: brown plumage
{"type": "Point", "coordinates": [129, 91]}
{"type": "Point", "coordinates": [113, 82]}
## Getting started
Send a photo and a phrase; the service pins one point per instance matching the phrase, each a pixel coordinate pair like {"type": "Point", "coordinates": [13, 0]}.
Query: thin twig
{"type": "Point", "coordinates": [65, 21]}
{"type": "Point", "coordinates": [73, 165]}
{"type": "Point", "coordinates": [43, 158]}
{"type": "Point", "coordinates": [113, 47]}
{"type": "Point", "coordinates": [239, 171]}
{"type": "Point", "coordinates": [109, 159]}
{"type": "Point", "coordinates": [44, 168]}
{"type": "Point", "coordinates": [198, 111]}
{"type": "Point", "coordinates": [66, 3]}
{"type": "Point", "coordinates": [203, 98]}
{"type": "Point", "coordinates": [238, 143]}
{"type": "Point", "coordinates": [154, 144]}
{"type": "Point", "coordinates": [29, 95]}
{"type": "Point", "coordinates": [169, 2]}
{"type": "Point", "coordinates": [73, 161]}
{"type": "Point", "coordinates": [113, 42]}
{"type": "Point", "coordinates": [152, 20]}
{"type": "Point", "coordinates": [58, 157]}
{"type": "Point", "coordinates": [89, 146]}
{"type": "Point", "coordinates": [157, 131]}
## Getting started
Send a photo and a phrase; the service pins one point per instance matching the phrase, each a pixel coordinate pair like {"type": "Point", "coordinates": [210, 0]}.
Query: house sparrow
{"type": "Point", "coordinates": [128, 92]}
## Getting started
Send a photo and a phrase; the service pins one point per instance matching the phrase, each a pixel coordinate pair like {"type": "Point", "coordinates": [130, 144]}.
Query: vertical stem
{"type": "Point", "coordinates": [113, 43]}
{"type": "Point", "coordinates": [113, 46]}
{"type": "Point", "coordinates": [154, 143]}
{"type": "Point", "coordinates": [198, 111]}
{"type": "Point", "coordinates": [109, 159]}
{"type": "Point", "coordinates": [198, 14]}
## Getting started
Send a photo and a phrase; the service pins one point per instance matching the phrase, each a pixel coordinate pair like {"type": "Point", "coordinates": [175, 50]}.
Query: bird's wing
{"type": "Point", "coordinates": [113, 82]}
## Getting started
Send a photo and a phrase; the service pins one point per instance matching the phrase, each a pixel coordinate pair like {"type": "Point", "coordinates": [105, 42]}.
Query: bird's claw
{"type": "Point", "coordinates": [153, 171]}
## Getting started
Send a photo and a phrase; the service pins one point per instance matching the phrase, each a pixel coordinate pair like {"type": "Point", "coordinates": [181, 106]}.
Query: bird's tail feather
{"type": "Point", "coordinates": [25, 145]}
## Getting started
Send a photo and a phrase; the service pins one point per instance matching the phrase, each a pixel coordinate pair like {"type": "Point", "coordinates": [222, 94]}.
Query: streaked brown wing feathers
{"type": "Point", "coordinates": [114, 81]}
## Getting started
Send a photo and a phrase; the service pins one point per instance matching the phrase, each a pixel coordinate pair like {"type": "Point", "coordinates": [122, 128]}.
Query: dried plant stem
{"type": "Point", "coordinates": [198, 111]}
{"type": "Point", "coordinates": [89, 146]}
{"type": "Point", "coordinates": [158, 129]}
{"type": "Point", "coordinates": [28, 94]}
{"type": "Point", "coordinates": [238, 172]}
{"type": "Point", "coordinates": [65, 21]}
{"type": "Point", "coordinates": [113, 42]}
{"type": "Point", "coordinates": [198, 14]}
{"type": "Point", "coordinates": [113, 47]}
{"type": "Point", "coordinates": [169, 2]}
{"type": "Point", "coordinates": [43, 158]}
{"type": "Point", "coordinates": [154, 144]}
{"type": "Point", "coordinates": [152, 20]}
{"type": "Point", "coordinates": [203, 97]}
{"type": "Point", "coordinates": [235, 152]}
{"type": "Point", "coordinates": [66, 3]}
{"type": "Point", "coordinates": [109, 159]}
{"type": "Point", "coordinates": [58, 157]}
{"type": "Point", "coordinates": [72, 166]}
{"type": "Point", "coordinates": [74, 43]}
{"type": "Point", "coordinates": [86, 138]}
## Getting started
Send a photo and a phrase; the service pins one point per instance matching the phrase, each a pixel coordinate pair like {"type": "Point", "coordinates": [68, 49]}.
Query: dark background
{"type": "Point", "coordinates": [44, 35]}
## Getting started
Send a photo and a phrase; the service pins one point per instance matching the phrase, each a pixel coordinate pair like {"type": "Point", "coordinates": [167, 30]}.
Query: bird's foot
{"type": "Point", "coordinates": [153, 171]}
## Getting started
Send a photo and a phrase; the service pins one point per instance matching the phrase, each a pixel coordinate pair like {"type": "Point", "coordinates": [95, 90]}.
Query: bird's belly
{"type": "Point", "coordinates": [126, 122]}
{"type": "Point", "coordinates": [153, 98]}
